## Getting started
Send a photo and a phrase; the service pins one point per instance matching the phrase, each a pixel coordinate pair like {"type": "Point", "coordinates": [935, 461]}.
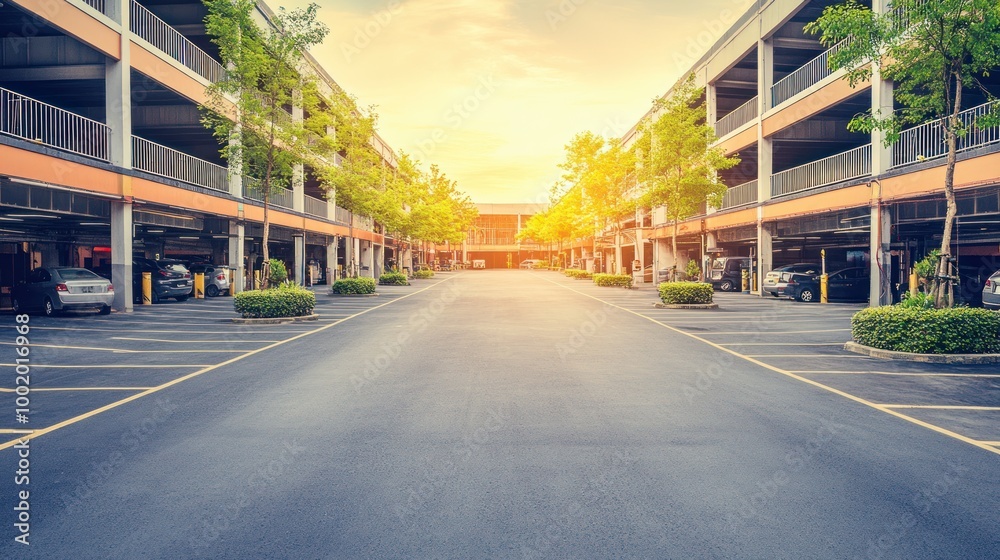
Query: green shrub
{"type": "Point", "coordinates": [578, 274]}
{"type": "Point", "coordinates": [540, 265]}
{"type": "Point", "coordinates": [919, 301]}
{"type": "Point", "coordinates": [675, 293]}
{"type": "Point", "coordinates": [277, 273]}
{"type": "Point", "coordinates": [613, 280]}
{"type": "Point", "coordinates": [393, 279]}
{"type": "Point", "coordinates": [423, 274]}
{"type": "Point", "coordinates": [958, 330]}
{"type": "Point", "coordinates": [285, 301]}
{"type": "Point", "coordinates": [354, 286]}
{"type": "Point", "coordinates": [692, 270]}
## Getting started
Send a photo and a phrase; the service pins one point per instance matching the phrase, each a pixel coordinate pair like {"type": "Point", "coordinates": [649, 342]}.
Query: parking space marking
{"type": "Point", "coordinates": [899, 373]}
{"type": "Point", "coordinates": [781, 332]}
{"type": "Point", "coordinates": [81, 389]}
{"type": "Point", "coordinates": [859, 400]}
{"type": "Point", "coordinates": [12, 431]}
{"type": "Point", "coordinates": [940, 407]}
{"type": "Point", "coordinates": [191, 341]}
{"type": "Point", "coordinates": [116, 366]}
{"type": "Point", "coordinates": [177, 331]}
{"type": "Point", "coordinates": [838, 356]}
{"type": "Point", "coordinates": [245, 354]}
{"type": "Point", "coordinates": [781, 343]}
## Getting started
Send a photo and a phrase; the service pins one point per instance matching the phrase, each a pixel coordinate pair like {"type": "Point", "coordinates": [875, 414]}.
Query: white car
{"type": "Point", "coordinates": [530, 263]}
{"type": "Point", "coordinates": [55, 289]}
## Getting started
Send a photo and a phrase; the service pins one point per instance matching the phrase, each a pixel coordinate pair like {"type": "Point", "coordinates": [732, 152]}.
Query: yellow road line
{"type": "Point", "coordinates": [996, 443]}
{"type": "Point", "coordinates": [857, 357]}
{"type": "Point", "coordinates": [781, 344]}
{"type": "Point", "coordinates": [786, 373]}
{"type": "Point", "coordinates": [171, 383]}
{"type": "Point", "coordinates": [8, 431]}
{"type": "Point", "coordinates": [900, 373]}
{"type": "Point", "coordinates": [940, 407]}
{"type": "Point", "coordinates": [778, 332]}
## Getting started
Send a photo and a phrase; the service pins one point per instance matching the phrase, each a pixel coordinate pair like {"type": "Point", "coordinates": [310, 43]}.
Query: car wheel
{"type": "Point", "coordinates": [212, 290]}
{"type": "Point", "coordinates": [773, 294]}
{"type": "Point", "coordinates": [807, 295]}
{"type": "Point", "coordinates": [16, 304]}
{"type": "Point", "coordinates": [182, 298]}
{"type": "Point", "coordinates": [50, 309]}
{"type": "Point", "coordinates": [105, 310]}
{"type": "Point", "coordinates": [156, 297]}
{"type": "Point", "coordinates": [727, 286]}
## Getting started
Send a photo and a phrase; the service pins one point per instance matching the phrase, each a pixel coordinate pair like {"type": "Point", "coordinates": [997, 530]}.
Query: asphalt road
{"type": "Point", "coordinates": [497, 415]}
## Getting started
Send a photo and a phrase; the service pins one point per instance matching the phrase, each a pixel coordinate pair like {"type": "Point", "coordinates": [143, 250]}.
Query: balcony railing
{"type": "Point", "coordinates": [166, 162]}
{"type": "Point", "coordinates": [342, 215]}
{"type": "Point", "coordinates": [834, 169]}
{"type": "Point", "coordinates": [810, 74]}
{"type": "Point", "coordinates": [315, 206]}
{"type": "Point", "coordinates": [253, 189]}
{"type": "Point", "coordinates": [145, 24]}
{"type": "Point", "coordinates": [927, 141]}
{"type": "Point", "coordinates": [740, 195]}
{"type": "Point", "coordinates": [98, 5]}
{"type": "Point", "coordinates": [32, 120]}
{"type": "Point", "coordinates": [737, 118]}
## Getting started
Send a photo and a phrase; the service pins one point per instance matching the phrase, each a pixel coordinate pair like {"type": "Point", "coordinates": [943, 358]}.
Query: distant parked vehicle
{"type": "Point", "coordinates": [775, 280]}
{"type": "Point", "coordinates": [991, 292]}
{"type": "Point", "coordinates": [727, 273]}
{"type": "Point", "coordinates": [849, 284]}
{"type": "Point", "coordinates": [530, 263]}
{"type": "Point", "coordinates": [171, 279]}
{"type": "Point", "coordinates": [56, 289]}
{"type": "Point", "coordinates": [216, 278]}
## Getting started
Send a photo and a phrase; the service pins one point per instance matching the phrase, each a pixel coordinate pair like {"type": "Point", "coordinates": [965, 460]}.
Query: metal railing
{"type": "Point", "coordinates": [35, 121]}
{"type": "Point", "coordinates": [315, 206]}
{"type": "Point", "coordinates": [166, 162]}
{"type": "Point", "coordinates": [98, 5]}
{"type": "Point", "coordinates": [342, 215]}
{"type": "Point", "coordinates": [253, 189]}
{"type": "Point", "coordinates": [737, 117]}
{"type": "Point", "coordinates": [808, 75]}
{"type": "Point", "coordinates": [927, 141]}
{"type": "Point", "coordinates": [146, 25]}
{"type": "Point", "coordinates": [834, 169]}
{"type": "Point", "coordinates": [740, 195]}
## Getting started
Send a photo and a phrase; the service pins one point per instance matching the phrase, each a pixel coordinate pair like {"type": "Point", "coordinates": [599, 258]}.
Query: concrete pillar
{"type": "Point", "coordinates": [880, 289]}
{"type": "Point", "coordinates": [711, 105]}
{"type": "Point", "coordinates": [299, 266]}
{"type": "Point", "coordinates": [298, 188]}
{"type": "Point", "coordinates": [237, 242]}
{"type": "Point", "coordinates": [118, 92]}
{"type": "Point", "coordinates": [331, 259]}
{"type": "Point", "coordinates": [765, 73]}
{"type": "Point", "coordinates": [121, 255]}
{"type": "Point", "coordinates": [765, 251]}
{"type": "Point", "coordinates": [378, 261]}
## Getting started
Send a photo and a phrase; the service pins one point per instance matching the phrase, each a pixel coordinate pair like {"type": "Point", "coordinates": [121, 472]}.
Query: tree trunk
{"type": "Point", "coordinates": [944, 294]}
{"type": "Point", "coordinates": [349, 258]}
{"type": "Point", "coordinates": [673, 248]}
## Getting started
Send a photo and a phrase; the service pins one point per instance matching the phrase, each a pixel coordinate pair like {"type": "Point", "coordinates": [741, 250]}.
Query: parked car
{"type": "Point", "coordinates": [849, 284]}
{"type": "Point", "coordinates": [530, 263]}
{"type": "Point", "coordinates": [991, 292]}
{"type": "Point", "coordinates": [727, 273]}
{"type": "Point", "coordinates": [171, 279]}
{"type": "Point", "coordinates": [216, 278]}
{"type": "Point", "coordinates": [775, 280]}
{"type": "Point", "coordinates": [55, 289]}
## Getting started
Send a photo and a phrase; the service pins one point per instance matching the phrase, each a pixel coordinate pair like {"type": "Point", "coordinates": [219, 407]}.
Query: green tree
{"type": "Point", "coordinates": [678, 166]}
{"type": "Point", "coordinates": [246, 109]}
{"type": "Point", "coordinates": [934, 51]}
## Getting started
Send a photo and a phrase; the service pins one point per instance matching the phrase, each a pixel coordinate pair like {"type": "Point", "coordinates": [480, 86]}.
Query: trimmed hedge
{"type": "Point", "coordinates": [959, 330]}
{"type": "Point", "coordinates": [613, 280]}
{"type": "Point", "coordinates": [286, 301]}
{"type": "Point", "coordinates": [423, 274]}
{"type": "Point", "coordinates": [354, 286]}
{"type": "Point", "coordinates": [393, 279]}
{"type": "Point", "coordinates": [680, 293]}
{"type": "Point", "coordinates": [578, 274]}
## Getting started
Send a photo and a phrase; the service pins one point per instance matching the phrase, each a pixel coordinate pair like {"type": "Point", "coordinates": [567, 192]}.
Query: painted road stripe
{"type": "Point", "coordinates": [116, 366]}
{"type": "Point", "coordinates": [900, 373]}
{"type": "Point", "coordinates": [35, 389]}
{"type": "Point", "coordinates": [125, 351]}
{"type": "Point", "coordinates": [808, 381]}
{"type": "Point", "coordinates": [782, 344]}
{"type": "Point", "coordinates": [178, 331]}
{"type": "Point", "coordinates": [182, 379]}
{"type": "Point", "coordinates": [940, 407]}
{"type": "Point", "coordinates": [10, 431]}
{"type": "Point", "coordinates": [192, 341]}
{"type": "Point", "coordinates": [778, 332]}
{"type": "Point", "coordinates": [806, 355]}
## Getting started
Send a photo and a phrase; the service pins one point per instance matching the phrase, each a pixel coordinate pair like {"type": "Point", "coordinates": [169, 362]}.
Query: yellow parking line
{"type": "Point", "coordinates": [940, 407]}
{"type": "Point", "coordinates": [10, 431]}
{"type": "Point", "coordinates": [995, 443]}
{"type": "Point", "coordinates": [838, 356]}
{"type": "Point", "coordinates": [781, 344]}
{"type": "Point", "coordinates": [171, 383]}
{"type": "Point", "coordinates": [899, 373]}
{"type": "Point", "coordinates": [808, 381]}
{"type": "Point", "coordinates": [755, 332]}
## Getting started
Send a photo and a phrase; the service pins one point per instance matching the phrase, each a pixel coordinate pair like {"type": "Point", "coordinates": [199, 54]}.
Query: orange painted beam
{"type": "Point", "coordinates": [26, 164]}
{"type": "Point", "coordinates": [76, 22]}
{"type": "Point", "coordinates": [739, 141]}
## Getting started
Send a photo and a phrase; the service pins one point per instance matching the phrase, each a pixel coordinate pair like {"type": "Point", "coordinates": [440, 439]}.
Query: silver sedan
{"type": "Point", "coordinates": [991, 292]}
{"type": "Point", "coordinates": [55, 289]}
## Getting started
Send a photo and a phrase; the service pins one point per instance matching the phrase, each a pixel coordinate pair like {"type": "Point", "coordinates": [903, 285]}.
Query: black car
{"type": "Point", "coordinates": [727, 273]}
{"type": "Point", "coordinates": [171, 279]}
{"type": "Point", "coordinates": [848, 284]}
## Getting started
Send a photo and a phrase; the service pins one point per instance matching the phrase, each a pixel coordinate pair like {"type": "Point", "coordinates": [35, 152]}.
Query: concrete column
{"type": "Point", "coordinates": [235, 167]}
{"type": "Point", "coordinates": [118, 92]}
{"type": "Point", "coordinates": [121, 255]}
{"type": "Point", "coordinates": [765, 163]}
{"type": "Point", "coordinates": [298, 188]}
{"type": "Point", "coordinates": [765, 251]}
{"type": "Point", "coordinates": [765, 73]}
{"type": "Point", "coordinates": [882, 105]}
{"type": "Point", "coordinates": [378, 261]}
{"type": "Point", "coordinates": [299, 265]}
{"type": "Point", "coordinates": [237, 242]}
{"type": "Point", "coordinates": [711, 105]}
{"type": "Point", "coordinates": [331, 259]}
{"type": "Point", "coordinates": [880, 289]}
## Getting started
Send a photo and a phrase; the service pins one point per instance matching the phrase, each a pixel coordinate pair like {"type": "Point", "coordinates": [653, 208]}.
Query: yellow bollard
{"type": "Point", "coordinates": [232, 281]}
{"type": "Point", "coordinates": [914, 283]}
{"type": "Point", "coordinates": [824, 288]}
{"type": "Point", "coordinates": [199, 285]}
{"type": "Point", "coordinates": [147, 288]}
{"type": "Point", "coordinates": [745, 280]}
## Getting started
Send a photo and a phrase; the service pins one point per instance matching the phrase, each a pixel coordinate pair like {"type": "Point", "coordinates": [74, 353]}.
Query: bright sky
{"type": "Point", "coordinates": [491, 90]}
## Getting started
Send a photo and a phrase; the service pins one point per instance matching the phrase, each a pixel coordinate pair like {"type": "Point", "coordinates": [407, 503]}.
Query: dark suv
{"type": "Point", "coordinates": [171, 279]}
{"type": "Point", "coordinates": [727, 273]}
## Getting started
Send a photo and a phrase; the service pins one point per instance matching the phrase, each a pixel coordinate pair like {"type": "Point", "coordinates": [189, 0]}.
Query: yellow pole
{"type": "Point", "coordinates": [914, 283]}
{"type": "Point", "coordinates": [199, 285]}
{"type": "Point", "coordinates": [232, 281]}
{"type": "Point", "coordinates": [745, 277]}
{"type": "Point", "coordinates": [824, 288]}
{"type": "Point", "coordinates": [147, 288]}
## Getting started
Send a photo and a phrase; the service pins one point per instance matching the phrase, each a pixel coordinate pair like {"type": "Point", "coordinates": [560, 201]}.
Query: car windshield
{"type": "Point", "coordinates": [77, 274]}
{"type": "Point", "coordinates": [174, 266]}
{"type": "Point", "coordinates": [719, 263]}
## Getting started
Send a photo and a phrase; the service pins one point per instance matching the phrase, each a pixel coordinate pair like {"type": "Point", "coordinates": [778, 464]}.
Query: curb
{"type": "Point", "coordinates": [354, 295]}
{"type": "Point", "coordinates": [275, 320]}
{"type": "Point", "coordinates": [926, 358]}
{"type": "Point", "coordinates": [660, 305]}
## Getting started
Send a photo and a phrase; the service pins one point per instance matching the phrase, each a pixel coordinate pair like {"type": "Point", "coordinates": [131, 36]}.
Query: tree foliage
{"type": "Point", "coordinates": [935, 52]}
